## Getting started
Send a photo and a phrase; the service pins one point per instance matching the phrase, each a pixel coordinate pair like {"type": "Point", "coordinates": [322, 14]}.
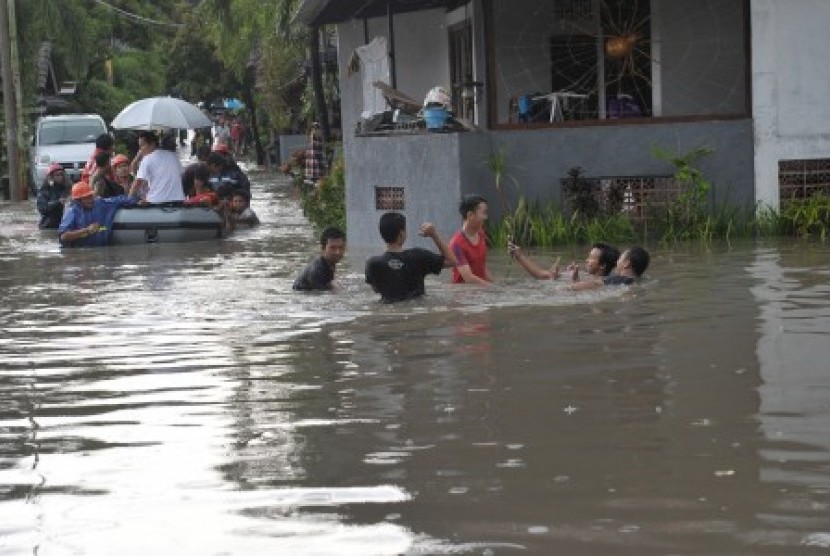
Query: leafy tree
{"type": "Point", "coordinates": [256, 39]}
{"type": "Point", "coordinates": [85, 36]}
{"type": "Point", "coordinates": [194, 71]}
{"type": "Point", "coordinates": [238, 29]}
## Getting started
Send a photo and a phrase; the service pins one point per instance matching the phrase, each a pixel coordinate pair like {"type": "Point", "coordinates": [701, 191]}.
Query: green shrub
{"type": "Point", "coordinates": [325, 203]}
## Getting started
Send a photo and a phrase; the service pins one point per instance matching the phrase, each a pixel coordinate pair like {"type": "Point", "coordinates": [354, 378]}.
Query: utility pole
{"type": "Point", "coordinates": [9, 104]}
{"type": "Point", "coordinates": [18, 98]}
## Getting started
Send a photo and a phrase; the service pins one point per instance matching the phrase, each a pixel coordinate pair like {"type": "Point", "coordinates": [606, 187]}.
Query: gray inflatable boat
{"type": "Point", "coordinates": [165, 224]}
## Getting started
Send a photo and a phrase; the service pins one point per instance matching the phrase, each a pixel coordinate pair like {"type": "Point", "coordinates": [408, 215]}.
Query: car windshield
{"type": "Point", "coordinates": [68, 132]}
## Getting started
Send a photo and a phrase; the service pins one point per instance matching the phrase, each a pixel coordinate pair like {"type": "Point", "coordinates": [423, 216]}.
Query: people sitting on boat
{"type": "Point", "coordinates": [51, 197]}
{"type": "Point", "coordinates": [168, 140]}
{"type": "Point", "coordinates": [227, 178]}
{"type": "Point", "coordinates": [223, 149]}
{"type": "Point", "coordinates": [202, 153]}
{"type": "Point", "coordinates": [319, 273]}
{"type": "Point", "coordinates": [87, 221]}
{"type": "Point", "coordinates": [160, 170]}
{"type": "Point", "coordinates": [121, 169]}
{"type": "Point", "coordinates": [188, 175]}
{"type": "Point", "coordinates": [201, 140]}
{"type": "Point", "coordinates": [232, 163]}
{"type": "Point", "coordinates": [101, 181]}
{"type": "Point", "coordinates": [103, 142]}
{"type": "Point", "coordinates": [240, 213]}
{"type": "Point", "coordinates": [195, 180]}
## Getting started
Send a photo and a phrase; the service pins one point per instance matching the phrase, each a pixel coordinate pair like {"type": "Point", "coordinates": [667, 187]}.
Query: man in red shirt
{"type": "Point", "coordinates": [469, 244]}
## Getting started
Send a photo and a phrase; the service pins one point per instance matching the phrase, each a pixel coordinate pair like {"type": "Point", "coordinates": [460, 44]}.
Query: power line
{"type": "Point", "coordinates": [138, 18]}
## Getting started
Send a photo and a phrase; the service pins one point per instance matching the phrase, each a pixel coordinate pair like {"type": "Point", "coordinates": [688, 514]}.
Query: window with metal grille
{"type": "Point", "coordinates": [801, 179]}
{"type": "Point", "coordinates": [389, 198]}
{"type": "Point", "coordinates": [637, 196]}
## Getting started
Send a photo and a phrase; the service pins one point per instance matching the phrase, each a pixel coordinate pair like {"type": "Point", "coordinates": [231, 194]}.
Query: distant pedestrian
{"type": "Point", "coordinates": [315, 161]}
{"type": "Point", "coordinates": [237, 137]}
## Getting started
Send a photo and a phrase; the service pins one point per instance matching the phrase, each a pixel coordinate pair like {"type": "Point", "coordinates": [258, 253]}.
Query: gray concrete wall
{"type": "Point", "coordinates": [426, 166]}
{"type": "Point", "coordinates": [437, 169]}
{"type": "Point", "coordinates": [790, 77]}
{"type": "Point", "coordinates": [539, 159]}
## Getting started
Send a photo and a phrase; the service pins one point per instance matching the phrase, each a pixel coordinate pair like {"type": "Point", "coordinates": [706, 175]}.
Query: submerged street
{"type": "Point", "coordinates": [160, 399]}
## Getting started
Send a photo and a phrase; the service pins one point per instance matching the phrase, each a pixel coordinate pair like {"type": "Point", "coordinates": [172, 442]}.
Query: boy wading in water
{"type": "Point", "coordinates": [630, 267]}
{"type": "Point", "coordinates": [469, 244]}
{"type": "Point", "coordinates": [319, 273]}
{"type": "Point", "coordinates": [398, 274]}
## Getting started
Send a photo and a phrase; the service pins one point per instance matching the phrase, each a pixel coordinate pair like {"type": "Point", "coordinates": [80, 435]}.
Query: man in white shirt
{"type": "Point", "coordinates": [159, 172]}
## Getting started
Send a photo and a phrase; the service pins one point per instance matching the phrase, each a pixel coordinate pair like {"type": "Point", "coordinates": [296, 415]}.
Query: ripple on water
{"type": "Point", "coordinates": [164, 396]}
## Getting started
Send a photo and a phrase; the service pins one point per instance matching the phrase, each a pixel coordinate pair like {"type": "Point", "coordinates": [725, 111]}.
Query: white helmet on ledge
{"type": "Point", "coordinates": [437, 96]}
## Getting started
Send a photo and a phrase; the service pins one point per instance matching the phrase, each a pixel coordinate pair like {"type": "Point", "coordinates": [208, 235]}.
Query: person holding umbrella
{"type": "Point", "coordinates": [159, 171]}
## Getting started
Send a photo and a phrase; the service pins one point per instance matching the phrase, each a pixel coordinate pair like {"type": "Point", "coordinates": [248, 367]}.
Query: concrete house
{"type": "Point", "coordinates": [598, 84]}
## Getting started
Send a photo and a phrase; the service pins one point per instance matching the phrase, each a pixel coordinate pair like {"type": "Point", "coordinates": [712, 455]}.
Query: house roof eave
{"type": "Point", "coordinates": [323, 12]}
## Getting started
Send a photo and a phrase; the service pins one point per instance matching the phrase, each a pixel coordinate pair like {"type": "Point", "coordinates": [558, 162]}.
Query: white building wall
{"type": "Point", "coordinates": [791, 87]}
{"type": "Point", "coordinates": [421, 49]}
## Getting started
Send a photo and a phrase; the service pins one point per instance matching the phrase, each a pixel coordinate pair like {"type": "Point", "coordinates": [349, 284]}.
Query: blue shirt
{"type": "Point", "coordinates": [102, 212]}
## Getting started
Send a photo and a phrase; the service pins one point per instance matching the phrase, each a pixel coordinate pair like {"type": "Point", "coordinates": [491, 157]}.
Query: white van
{"type": "Point", "coordinates": [68, 140]}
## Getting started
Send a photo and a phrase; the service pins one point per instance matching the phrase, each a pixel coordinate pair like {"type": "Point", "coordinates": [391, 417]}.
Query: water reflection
{"type": "Point", "coordinates": [182, 396]}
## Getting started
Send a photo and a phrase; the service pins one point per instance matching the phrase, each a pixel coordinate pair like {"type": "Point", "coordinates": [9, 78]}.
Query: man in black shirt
{"type": "Point", "coordinates": [398, 274]}
{"type": "Point", "coordinates": [319, 273]}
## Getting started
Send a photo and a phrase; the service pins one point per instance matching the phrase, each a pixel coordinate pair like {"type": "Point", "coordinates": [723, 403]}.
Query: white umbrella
{"type": "Point", "coordinates": [161, 112]}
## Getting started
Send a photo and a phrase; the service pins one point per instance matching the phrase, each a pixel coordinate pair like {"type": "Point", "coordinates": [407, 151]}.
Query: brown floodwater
{"type": "Point", "coordinates": [181, 399]}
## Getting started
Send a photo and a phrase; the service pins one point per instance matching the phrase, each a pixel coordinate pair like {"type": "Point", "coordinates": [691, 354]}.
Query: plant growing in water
{"type": "Point", "coordinates": [579, 194]}
{"type": "Point", "coordinates": [497, 163]}
{"type": "Point", "coordinates": [687, 216]}
{"type": "Point", "coordinates": [325, 204]}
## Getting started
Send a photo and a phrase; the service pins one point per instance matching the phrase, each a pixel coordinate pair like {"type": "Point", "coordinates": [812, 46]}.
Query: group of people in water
{"type": "Point", "coordinates": [83, 212]}
{"type": "Point", "coordinates": [398, 273]}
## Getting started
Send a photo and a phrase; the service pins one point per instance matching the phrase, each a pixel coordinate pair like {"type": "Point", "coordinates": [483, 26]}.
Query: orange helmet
{"type": "Point", "coordinates": [81, 190]}
{"type": "Point", "coordinates": [119, 160]}
{"type": "Point", "coordinates": [54, 167]}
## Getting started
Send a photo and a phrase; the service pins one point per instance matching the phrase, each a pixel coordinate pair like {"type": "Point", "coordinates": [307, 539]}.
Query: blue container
{"type": "Point", "coordinates": [435, 118]}
{"type": "Point", "coordinates": [525, 103]}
